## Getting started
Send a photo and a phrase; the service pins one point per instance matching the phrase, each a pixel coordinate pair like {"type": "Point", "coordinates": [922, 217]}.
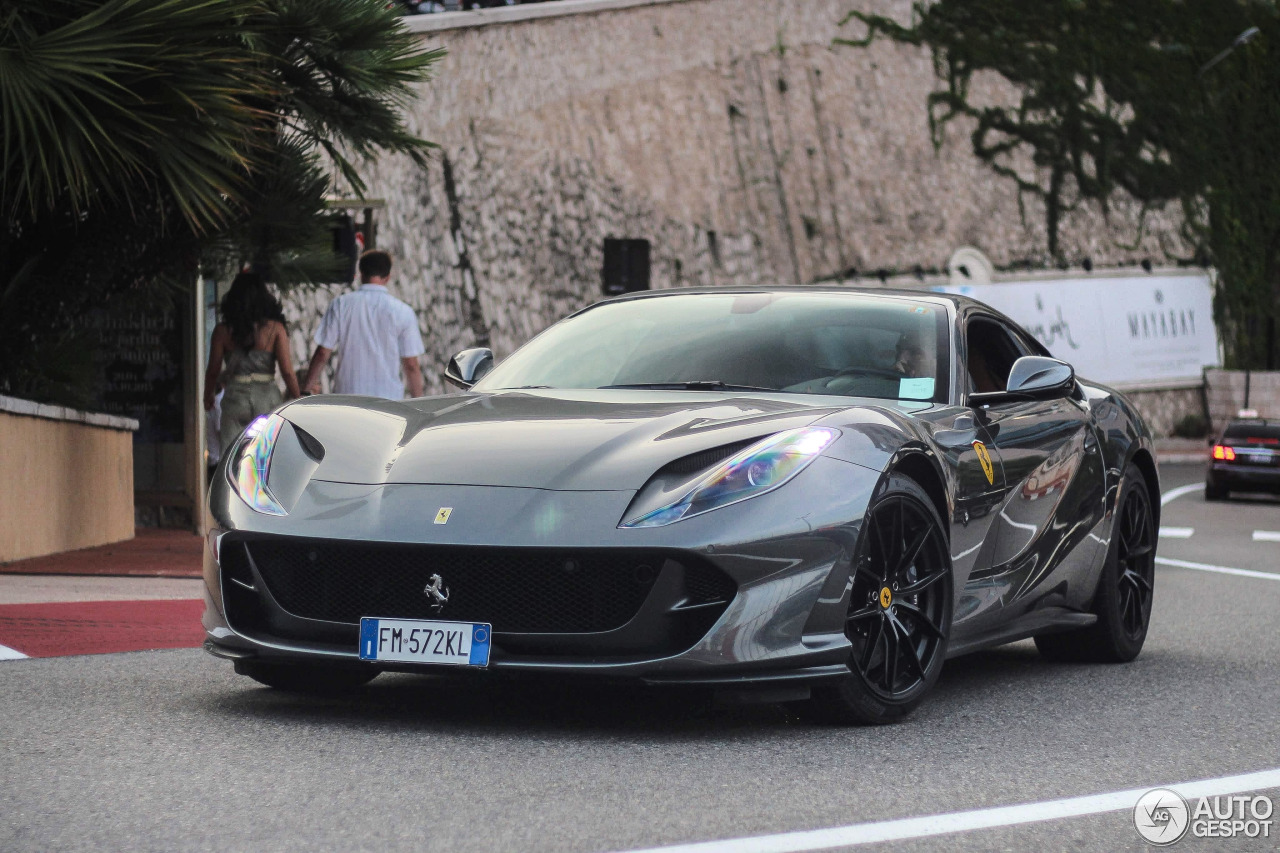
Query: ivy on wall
{"type": "Point", "coordinates": [1168, 101]}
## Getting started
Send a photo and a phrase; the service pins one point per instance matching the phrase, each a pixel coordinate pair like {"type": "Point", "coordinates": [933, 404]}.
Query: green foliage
{"type": "Point", "coordinates": [145, 137]}
{"type": "Point", "coordinates": [116, 100]}
{"type": "Point", "coordinates": [345, 71]}
{"type": "Point", "coordinates": [1132, 96]}
{"type": "Point", "coordinates": [1192, 425]}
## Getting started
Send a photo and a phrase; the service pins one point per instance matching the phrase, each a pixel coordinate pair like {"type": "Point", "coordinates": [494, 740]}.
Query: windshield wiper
{"type": "Point", "coordinates": [694, 385]}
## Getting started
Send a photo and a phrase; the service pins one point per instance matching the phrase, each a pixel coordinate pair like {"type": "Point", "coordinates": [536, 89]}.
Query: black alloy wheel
{"type": "Point", "coordinates": [899, 610]}
{"type": "Point", "coordinates": [1126, 586]}
{"type": "Point", "coordinates": [1136, 567]}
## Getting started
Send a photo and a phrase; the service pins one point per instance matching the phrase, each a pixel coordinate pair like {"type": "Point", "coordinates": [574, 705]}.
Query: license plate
{"type": "Point", "coordinates": [1259, 458]}
{"type": "Point", "coordinates": [425, 641]}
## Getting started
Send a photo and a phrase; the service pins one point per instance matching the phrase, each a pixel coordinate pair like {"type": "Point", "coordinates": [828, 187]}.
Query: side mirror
{"type": "Point", "coordinates": [1032, 377]}
{"type": "Point", "coordinates": [1036, 375]}
{"type": "Point", "coordinates": [469, 367]}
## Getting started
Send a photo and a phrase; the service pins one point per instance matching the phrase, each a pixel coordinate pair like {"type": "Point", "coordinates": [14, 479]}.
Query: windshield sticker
{"type": "Point", "coordinates": [916, 388]}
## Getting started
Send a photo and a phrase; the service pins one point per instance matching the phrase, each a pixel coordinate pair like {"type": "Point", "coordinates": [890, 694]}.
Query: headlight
{"type": "Point", "coordinates": [251, 461]}
{"type": "Point", "coordinates": [761, 468]}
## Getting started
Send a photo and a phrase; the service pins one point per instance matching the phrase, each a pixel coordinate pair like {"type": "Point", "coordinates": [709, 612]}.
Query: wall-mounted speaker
{"type": "Point", "coordinates": [626, 266]}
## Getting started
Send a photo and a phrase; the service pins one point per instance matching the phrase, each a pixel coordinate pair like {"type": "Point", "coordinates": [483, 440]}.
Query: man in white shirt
{"type": "Point", "coordinates": [377, 334]}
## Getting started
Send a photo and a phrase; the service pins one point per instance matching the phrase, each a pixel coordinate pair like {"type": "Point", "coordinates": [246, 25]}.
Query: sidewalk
{"type": "Point", "coordinates": [56, 629]}
{"type": "Point", "coordinates": [1172, 451]}
{"type": "Point", "coordinates": [153, 552]}
{"type": "Point", "coordinates": [55, 615]}
{"type": "Point", "coordinates": [145, 593]}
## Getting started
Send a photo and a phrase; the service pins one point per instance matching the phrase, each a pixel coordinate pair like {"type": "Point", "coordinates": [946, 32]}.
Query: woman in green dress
{"type": "Point", "coordinates": [247, 347]}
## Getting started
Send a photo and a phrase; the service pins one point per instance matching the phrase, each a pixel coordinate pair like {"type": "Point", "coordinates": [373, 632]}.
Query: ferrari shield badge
{"type": "Point", "coordinates": [442, 517]}
{"type": "Point", "coordinates": [985, 458]}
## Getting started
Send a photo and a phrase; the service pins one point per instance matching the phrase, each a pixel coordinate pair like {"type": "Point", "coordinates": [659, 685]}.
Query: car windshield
{"type": "Point", "coordinates": [1253, 432]}
{"type": "Point", "coordinates": [852, 345]}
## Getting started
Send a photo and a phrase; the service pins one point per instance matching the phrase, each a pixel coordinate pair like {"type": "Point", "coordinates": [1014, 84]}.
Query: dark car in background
{"type": "Point", "coordinates": [1245, 458]}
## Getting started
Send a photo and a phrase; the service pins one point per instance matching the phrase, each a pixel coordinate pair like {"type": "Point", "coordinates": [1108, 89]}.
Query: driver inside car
{"type": "Point", "coordinates": [909, 357]}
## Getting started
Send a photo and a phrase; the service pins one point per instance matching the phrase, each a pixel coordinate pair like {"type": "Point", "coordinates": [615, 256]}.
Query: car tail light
{"type": "Point", "coordinates": [1224, 453]}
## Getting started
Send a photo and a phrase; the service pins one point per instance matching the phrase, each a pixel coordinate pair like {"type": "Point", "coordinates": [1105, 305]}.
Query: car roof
{"type": "Point", "coordinates": [1264, 423]}
{"type": "Point", "coordinates": [961, 305]}
{"type": "Point", "coordinates": [828, 289]}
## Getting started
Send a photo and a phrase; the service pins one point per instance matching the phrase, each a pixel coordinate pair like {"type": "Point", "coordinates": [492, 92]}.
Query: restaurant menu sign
{"type": "Point", "coordinates": [1136, 331]}
{"type": "Point", "coordinates": [139, 359]}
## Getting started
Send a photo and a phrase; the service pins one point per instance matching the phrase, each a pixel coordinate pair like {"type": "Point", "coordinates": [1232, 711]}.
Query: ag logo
{"type": "Point", "coordinates": [442, 517]}
{"type": "Point", "coordinates": [985, 458]}
{"type": "Point", "coordinates": [1161, 817]}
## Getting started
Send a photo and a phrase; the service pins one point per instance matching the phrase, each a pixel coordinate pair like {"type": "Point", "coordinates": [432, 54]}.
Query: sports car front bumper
{"type": "Point", "coordinates": [755, 591]}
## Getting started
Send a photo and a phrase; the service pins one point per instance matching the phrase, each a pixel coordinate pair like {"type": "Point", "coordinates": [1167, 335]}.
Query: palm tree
{"type": "Point", "coordinates": [140, 135]}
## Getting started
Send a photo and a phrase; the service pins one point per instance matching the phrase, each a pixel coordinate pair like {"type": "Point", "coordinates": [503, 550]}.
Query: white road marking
{"type": "Point", "coordinates": [1222, 570]}
{"type": "Point", "coordinates": [7, 653]}
{"type": "Point", "coordinates": [1266, 536]}
{"type": "Point", "coordinates": [945, 824]}
{"type": "Point", "coordinates": [1176, 532]}
{"type": "Point", "coordinates": [1174, 494]}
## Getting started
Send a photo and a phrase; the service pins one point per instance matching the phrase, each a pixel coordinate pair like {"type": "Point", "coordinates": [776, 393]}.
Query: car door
{"type": "Point", "coordinates": [1053, 486]}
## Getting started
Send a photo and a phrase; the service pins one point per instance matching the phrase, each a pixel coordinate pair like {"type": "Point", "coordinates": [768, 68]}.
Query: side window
{"type": "Point", "coordinates": [1029, 345]}
{"type": "Point", "coordinates": [992, 350]}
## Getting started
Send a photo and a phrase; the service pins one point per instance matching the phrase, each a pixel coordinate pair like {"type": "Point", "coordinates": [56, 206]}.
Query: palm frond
{"type": "Point", "coordinates": [123, 96]}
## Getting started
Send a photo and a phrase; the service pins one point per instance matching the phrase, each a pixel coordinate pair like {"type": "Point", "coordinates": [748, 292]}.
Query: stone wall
{"type": "Point", "coordinates": [1224, 391]}
{"type": "Point", "coordinates": [1163, 408]}
{"type": "Point", "coordinates": [729, 133]}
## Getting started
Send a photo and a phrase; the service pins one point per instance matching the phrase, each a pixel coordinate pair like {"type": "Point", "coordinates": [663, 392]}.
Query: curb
{"type": "Point", "coordinates": [1181, 458]}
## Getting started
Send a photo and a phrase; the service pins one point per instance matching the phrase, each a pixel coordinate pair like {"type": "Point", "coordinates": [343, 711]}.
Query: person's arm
{"type": "Point", "coordinates": [318, 360]}
{"type": "Point", "coordinates": [217, 351]}
{"type": "Point", "coordinates": [413, 375]}
{"type": "Point", "coordinates": [409, 340]}
{"type": "Point", "coordinates": [285, 360]}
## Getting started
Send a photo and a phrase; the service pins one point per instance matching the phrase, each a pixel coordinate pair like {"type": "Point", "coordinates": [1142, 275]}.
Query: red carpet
{"type": "Point", "coordinates": [152, 552]}
{"type": "Point", "coordinates": [100, 627]}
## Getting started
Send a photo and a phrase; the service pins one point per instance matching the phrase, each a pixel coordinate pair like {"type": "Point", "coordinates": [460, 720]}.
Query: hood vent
{"type": "Point", "coordinates": [703, 459]}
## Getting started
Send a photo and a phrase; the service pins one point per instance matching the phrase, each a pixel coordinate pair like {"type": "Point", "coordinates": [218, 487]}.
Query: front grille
{"type": "Point", "coordinates": [517, 590]}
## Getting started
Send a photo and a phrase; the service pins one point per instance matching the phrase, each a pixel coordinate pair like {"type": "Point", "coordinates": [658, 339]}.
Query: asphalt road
{"type": "Point", "coordinates": [171, 751]}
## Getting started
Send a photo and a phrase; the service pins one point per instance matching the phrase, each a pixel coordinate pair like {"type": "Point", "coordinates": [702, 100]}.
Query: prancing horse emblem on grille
{"type": "Point", "coordinates": [438, 592]}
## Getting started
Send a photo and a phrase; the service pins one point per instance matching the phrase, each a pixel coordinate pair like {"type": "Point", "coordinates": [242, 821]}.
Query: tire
{"type": "Point", "coordinates": [1214, 492]}
{"type": "Point", "coordinates": [1126, 587]}
{"type": "Point", "coordinates": [308, 678]}
{"type": "Point", "coordinates": [901, 588]}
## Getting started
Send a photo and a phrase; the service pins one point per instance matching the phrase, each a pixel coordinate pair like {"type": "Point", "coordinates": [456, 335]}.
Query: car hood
{"type": "Point", "coordinates": [590, 440]}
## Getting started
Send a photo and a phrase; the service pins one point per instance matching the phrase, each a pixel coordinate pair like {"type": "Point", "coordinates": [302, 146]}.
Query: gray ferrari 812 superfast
{"type": "Point", "coordinates": [811, 493]}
